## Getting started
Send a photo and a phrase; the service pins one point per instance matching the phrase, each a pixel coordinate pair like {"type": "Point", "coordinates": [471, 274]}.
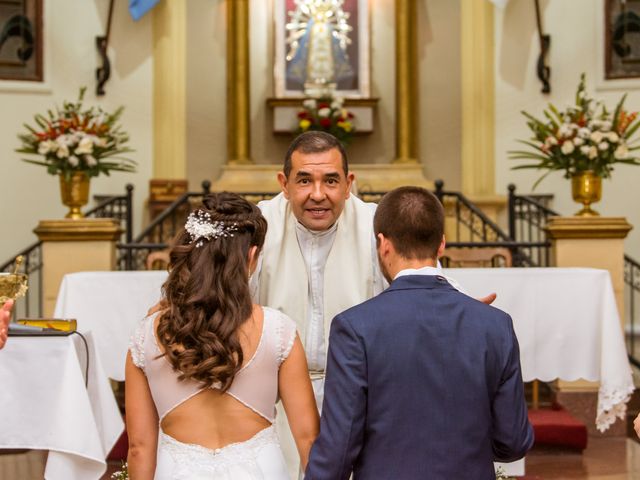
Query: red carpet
{"type": "Point", "coordinates": [119, 450]}
{"type": "Point", "coordinates": [557, 427]}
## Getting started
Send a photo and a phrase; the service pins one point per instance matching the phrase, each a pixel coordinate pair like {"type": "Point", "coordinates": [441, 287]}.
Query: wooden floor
{"type": "Point", "coordinates": [604, 459]}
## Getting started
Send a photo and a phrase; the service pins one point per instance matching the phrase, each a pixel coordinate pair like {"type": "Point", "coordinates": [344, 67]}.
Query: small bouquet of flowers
{"type": "Point", "coordinates": [78, 139]}
{"type": "Point", "coordinates": [584, 137]}
{"type": "Point", "coordinates": [328, 115]}
{"type": "Point", "coordinates": [122, 474]}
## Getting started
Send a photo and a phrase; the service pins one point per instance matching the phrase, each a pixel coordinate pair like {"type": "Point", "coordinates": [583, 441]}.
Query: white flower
{"type": "Point", "coordinates": [90, 161]}
{"type": "Point", "coordinates": [85, 146]}
{"type": "Point", "coordinates": [578, 141]}
{"type": "Point", "coordinates": [596, 137]}
{"type": "Point", "coordinates": [613, 137]}
{"type": "Point", "coordinates": [603, 146]}
{"type": "Point", "coordinates": [63, 150]}
{"type": "Point", "coordinates": [565, 130]}
{"type": "Point", "coordinates": [593, 152]}
{"type": "Point", "coordinates": [99, 142]}
{"type": "Point", "coordinates": [585, 150]}
{"type": "Point", "coordinates": [551, 141]}
{"type": "Point", "coordinates": [584, 133]}
{"type": "Point", "coordinates": [47, 146]}
{"type": "Point", "coordinates": [324, 112]}
{"type": "Point", "coordinates": [309, 103]}
{"type": "Point", "coordinates": [621, 152]}
{"type": "Point", "coordinates": [73, 161]}
{"type": "Point", "coordinates": [567, 147]}
{"type": "Point", "coordinates": [606, 125]}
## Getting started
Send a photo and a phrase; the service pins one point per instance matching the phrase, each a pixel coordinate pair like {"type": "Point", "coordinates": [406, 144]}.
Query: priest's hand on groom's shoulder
{"type": "Point", "coordinates": [488, 299]}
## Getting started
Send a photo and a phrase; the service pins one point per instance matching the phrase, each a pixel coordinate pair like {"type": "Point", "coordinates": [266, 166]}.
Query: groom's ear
{"type": "Point", "coordinates": [383, 244]}
{"type": "Point", "coordinates": [443, 244]}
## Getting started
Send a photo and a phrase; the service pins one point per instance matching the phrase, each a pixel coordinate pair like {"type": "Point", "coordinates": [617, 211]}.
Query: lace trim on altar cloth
{"type": "Point", "coordinates": [195, 461]}
{"type": "Point", "coordinates": [612, 404]}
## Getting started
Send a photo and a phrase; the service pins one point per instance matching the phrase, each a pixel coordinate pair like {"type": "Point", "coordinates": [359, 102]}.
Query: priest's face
{"type": "Point", "coordinates": [316, 188]}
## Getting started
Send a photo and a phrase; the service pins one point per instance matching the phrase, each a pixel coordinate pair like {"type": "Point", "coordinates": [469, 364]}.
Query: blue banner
{"type": "Point", "coordinates": [137, 8]}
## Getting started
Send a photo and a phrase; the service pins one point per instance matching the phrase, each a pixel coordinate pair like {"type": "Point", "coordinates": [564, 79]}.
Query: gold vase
{"type": "Point", "coordinates": [74, 193]}
{"type": "Point", "coordinates": [586, 188]}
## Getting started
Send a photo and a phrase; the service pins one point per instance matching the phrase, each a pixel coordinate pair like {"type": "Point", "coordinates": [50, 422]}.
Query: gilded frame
{"type": "Point", "coordinates": [360, 88]}
{"type": "Point", "coordinates": [21, 50]}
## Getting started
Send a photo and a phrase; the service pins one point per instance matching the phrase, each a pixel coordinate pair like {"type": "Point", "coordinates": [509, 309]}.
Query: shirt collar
{"type": "Point", "coordinates": [307, 233]}
{"type": "Point", "coordinates": [419, 271]}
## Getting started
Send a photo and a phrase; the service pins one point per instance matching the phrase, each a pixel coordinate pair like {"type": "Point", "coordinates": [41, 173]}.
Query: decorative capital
{"type": "Point", "coordinates": [79, 230]}
{"type": "Point", "coordinates": [588, 227]}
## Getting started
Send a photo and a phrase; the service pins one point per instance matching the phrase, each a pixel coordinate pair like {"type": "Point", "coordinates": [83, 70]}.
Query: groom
{"type": "Point", "coordinates": [422, 380]}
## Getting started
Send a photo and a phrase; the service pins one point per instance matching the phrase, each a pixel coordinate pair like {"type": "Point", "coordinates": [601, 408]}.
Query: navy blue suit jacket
{"type": "Point", "coordinates": [423, 382]}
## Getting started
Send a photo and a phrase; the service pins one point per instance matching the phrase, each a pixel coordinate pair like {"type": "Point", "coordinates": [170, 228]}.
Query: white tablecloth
{"type": "Point", "coordinates": [567, 324]}
{"type": "Point", "coordinates": [44, 405]}
{"type": "Point", "coordinates": [109, 304]}
{"type": "Point", "coordinates": [566, 321]}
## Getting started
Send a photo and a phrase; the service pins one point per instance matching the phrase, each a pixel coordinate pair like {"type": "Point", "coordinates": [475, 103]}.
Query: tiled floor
{"type": "Point", "coordinates": [604, 459]}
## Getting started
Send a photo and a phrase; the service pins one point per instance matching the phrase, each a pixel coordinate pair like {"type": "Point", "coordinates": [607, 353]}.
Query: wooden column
{"type": "Point", "coordinates": [169, 90]}
{"type": "Point", "coordinates": [86, 244]}
{"type": "Point", "coordinates": [238, 104]}
{"type": "Point", "coordinates": [478, 103]}
{"type": "Point", "coordinates": [407, 103]}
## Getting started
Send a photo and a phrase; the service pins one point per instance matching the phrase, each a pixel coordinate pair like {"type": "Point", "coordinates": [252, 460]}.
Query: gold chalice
{"type": "Point", "coordinates": [13, 285]}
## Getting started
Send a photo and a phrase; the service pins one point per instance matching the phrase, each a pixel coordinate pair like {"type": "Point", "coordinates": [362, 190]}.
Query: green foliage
{"type": "Point", "coordinates": [585, 136]}
{"type": "Point", "coordinates": [77, 139]}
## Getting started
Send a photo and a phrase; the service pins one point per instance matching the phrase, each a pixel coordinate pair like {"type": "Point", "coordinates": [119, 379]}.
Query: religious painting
{"type": "Point", "coordinates": [321, 45]}
{"type": "Point", "coordinates": [21, 40]}
{"type": "Point", "coordinates": [622, 39]}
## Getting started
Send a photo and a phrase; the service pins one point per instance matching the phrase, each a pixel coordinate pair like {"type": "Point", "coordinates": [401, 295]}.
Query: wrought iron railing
{"type": "Point", "coordinates": [528, 217]}
{"type": "Point", "coordinates": [133, 254]}
{"type": "Point", "coordinates": [119, 207]}
{"type": "Point", "coordinates": [469, 227]}
{"type": "Point", "coordinates": [31, 305]}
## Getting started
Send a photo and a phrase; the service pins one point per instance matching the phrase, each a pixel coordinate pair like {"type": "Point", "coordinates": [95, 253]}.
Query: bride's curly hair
{"type": "Point", "coordinates": [207, 293]}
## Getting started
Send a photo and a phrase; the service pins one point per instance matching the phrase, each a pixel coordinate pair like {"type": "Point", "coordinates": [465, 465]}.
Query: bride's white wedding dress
{"type": "Point", "coordinates": [255, 386]}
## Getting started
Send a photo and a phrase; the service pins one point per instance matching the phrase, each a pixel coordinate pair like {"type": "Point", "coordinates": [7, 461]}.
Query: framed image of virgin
{"type": "Point", "coordinates": [622, 39]}
{"type": "Point", "coordinates": [321, 46]}
{"type": "Point", "coordinates": [21, 40]}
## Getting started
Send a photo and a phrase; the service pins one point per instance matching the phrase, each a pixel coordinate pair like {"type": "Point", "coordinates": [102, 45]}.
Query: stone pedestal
{"type": "Point", "coordinates": [86, 244]}
{"type": "Point", "coordinates": [595, 242]}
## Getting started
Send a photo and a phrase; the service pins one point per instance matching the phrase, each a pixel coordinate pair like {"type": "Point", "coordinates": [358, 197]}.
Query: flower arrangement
{"type": "Point", "coordinates": [78, 139]}
{"type": "Point", "coordinates": [328, 115]}
{"type": "Point", "coordinates": [122, 474]}
{"type": "Point", "coordinates": [584, 137]}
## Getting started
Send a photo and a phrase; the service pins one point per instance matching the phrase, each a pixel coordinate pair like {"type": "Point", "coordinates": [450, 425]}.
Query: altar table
{"type": "Point", "coordinates": [566, 321]}
{"type": "Point", "coordinates": [46, 406]}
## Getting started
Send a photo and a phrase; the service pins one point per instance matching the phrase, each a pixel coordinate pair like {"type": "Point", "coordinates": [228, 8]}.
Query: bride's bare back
{"type": "Point", "coordinates": [215, 419]}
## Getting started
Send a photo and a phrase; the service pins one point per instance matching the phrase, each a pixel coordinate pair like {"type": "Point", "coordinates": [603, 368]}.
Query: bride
{"type": "Point", "coordinates": [204, 372]}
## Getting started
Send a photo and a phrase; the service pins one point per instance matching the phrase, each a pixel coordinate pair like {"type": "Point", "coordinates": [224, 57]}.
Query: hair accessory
{"type": "Point", "coordinates": [200, 227]}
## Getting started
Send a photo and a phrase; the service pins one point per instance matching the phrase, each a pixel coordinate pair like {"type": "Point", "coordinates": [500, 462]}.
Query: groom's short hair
{"type": "Point", "coordinates": [412, 218]}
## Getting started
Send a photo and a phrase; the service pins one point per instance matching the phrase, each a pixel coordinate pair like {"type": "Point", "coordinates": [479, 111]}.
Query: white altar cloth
{"type": "Point", "coordinates": [45, 405]}
{"type": "Point", "coordinates": [110, 304]}
{"type": "Point", "coordinates": [567, 324]}
{"type": "Point", "coordinates": [566, 321]}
